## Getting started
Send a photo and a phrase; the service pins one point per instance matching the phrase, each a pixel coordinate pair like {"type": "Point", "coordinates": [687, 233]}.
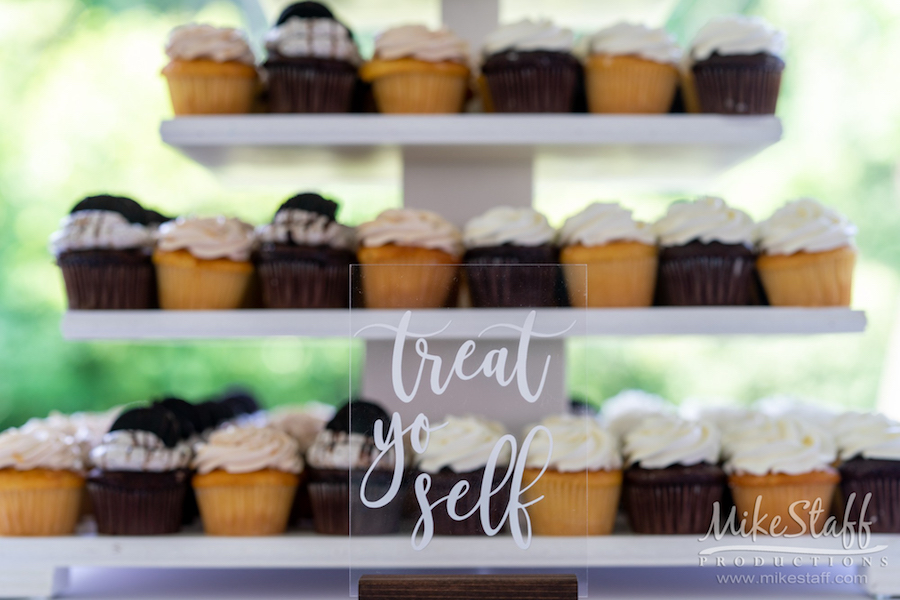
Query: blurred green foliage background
{"type": "Point", "coordinates": [81, 100]}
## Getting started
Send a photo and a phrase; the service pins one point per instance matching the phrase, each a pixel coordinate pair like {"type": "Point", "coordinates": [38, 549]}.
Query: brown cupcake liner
{"type": "Point", "coordinates": [311, 86]}
{"type": "Point", "coordinates": [532, 82]}
{"type": "Point", "coordinates": [705, 275]}
{"type": "Point", "coordinates": [513, 276]}
{"type": "Point", "coordinates": [108, 279]}
{"type": "Point", "coordinates": [338, 510]}
{"type": "Point", "coordinates": [127, 506]}
{"type": "Point", "coordinates": [881, 479]}
{"type": "Point", "coordinates": [304, 283]}
{"type": "Point", "coordinates": [443, 482]}
{"type": "Point", "coordinates": [674, 501]}
{"type": "Point", "coordinates": [742, 85]}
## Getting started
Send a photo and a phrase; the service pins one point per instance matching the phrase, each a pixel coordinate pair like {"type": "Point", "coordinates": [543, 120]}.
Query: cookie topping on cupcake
{"type": "Point", "coordinates": [317, 37]}
{"type": "Point", "coordinates": [805, 225]}
{"type": "Point", "coordinates": [867, 435]}
{"type": "Point", "coordinates": [411, 227]}
{"type": "Point", "coordinates": [602, 223]}
{"type": "Point", "coordinates": [199, 41]}
{"type": "Point", "coordinates": [307, 220]}
{"type": "Point", "coordinates": [247, 450]}
{"type": "Point", "coordinates": [208, 238]}
{"type": "Point", "coordinates": [99, 230]}
{"type": "Point", "coordinates": [136, 450]}
{"type": "Point", "coordinates": [579, 443]}
{"type": "Point", "coordinates": [527, 35]}
{"type": "Point", "coordinates": [420, 43]}
{"type": "Point", "coordinates": [506, 225]}
{"type": "Point", "coordinates": [663, 441]}
{"type": "Point", "coordinates": [629, 39]}
{"type": "Point", "coordinates": [348, 441]}
{"type": "Point", "coordinates": [462, 445]}
{"type": "Point", "coordinates": [730, 35]}
{"type": "Point", "coordinates": [39, 448]}
{"type": "Point", "coordinates": [706, 220]}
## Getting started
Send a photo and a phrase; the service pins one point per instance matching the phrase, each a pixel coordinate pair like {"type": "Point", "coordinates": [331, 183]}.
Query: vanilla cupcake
{"type": "Point", "coordinates": [807, 255]}
{"type": "Point", "coordinates": [409, 260]}
{"type": "Point", "coordinates": [706, 255]}
{"type": "Point", "coordinates": [511, 259]}
{"type": "Point", "coordinates": [204, 263]}
{"type": "Point", "coordinates": [418, 70]}
{"type": "Point", "coordinates": [631, 69]}
{"type": "Point", "coordinates": [246, 480]}
{"type": "Point", "coordinates": [41, 482]}
{"type": "Point", "coordinates": [620, 254]}
{"type": "Point", "coordinates": [460, 451]}
{"type": "Point", "coordinates": [672, 480]}
{"type": "Point", "coordinates": [582, 481]}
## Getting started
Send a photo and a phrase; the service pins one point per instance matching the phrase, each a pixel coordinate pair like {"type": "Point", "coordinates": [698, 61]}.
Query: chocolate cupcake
{"type": "Point", "coordinates": [706, 255]}
{"type": "Point", "coordinates": [737, 64]}
{"type": "Point", "coordinates": [338, 460]}
{"type": "Point", "coordinates": [511, 260]}
{"type": "Point", "coordinates": [140, 474]}
{"type": "Point", "coordinates": [529, 68]}
{"type": "Point", "coordinates": [103, 248]}
{"type": "Point", "coordinates": [673, 480]}
{"type": "Point", "coordinates": [305, 256]}
{"type": "Point", "coordinates": [312, 62]}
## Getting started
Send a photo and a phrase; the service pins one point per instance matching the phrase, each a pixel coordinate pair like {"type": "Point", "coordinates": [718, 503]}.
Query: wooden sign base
{"type": "Point", "coordinates": [468, 587]}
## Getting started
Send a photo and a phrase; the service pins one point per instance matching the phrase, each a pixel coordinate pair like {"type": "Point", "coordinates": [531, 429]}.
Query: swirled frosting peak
{"type": "Point", "coordinates": [805, 225]}
{"type": "Point", "coordinates": [319, 38]}
{"type": "Point", "coordinates": [421, 43]}
{"type": "Point", "coordinates": [39, 448]}
{"type": "Point", "coordinates": [707, 220]}
{"type": "Point", "coordinates": [663, 441]}
{"type": "Point", "coordinates": [779, 445]}
{"type": "Point", "coordinates": [199, 41]}
{"type": "Point", "coordinates": [602, 223]}
{"type": "Point", "coordinates": [462, 445]}
{"type": "Point", "coordinates": [650, 43]}
{"type": "Point", "coordinates": [208, 238]}
{"type": "Point", "coordinates": [867, 435]}
{"type": "Point", "coordinates": [99, 230]}
{"type": "Point", "coordinates": [305, 228]}
{"type": "Point", "coordinates": [737, 34]}
{"type": "Point", "coordinates": [527, 35]}
{"type": "Point", "coordinates": [411, 227]}
{"type": "Point", "coordinates": [248, 449]}
{"type": "Point", "coordinates": [134, 450]}
{"type": "Point", "coordinates": [578, 443]}
{"type": "Point", "coordinates": [507, 225]}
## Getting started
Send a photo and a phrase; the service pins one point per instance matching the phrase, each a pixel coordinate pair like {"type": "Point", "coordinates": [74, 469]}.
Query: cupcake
{"type": "Point", "coordinates": [246, 480]}
{"type": "Point", "coordinates": [204, 264]}
{"type": "Point", "coordinates": [631, 69]}
{"type": "Point", "coordinates": [582, 481]}
{"type": "Point", "coordinates": [41, 483]}
{"type": "Point", "coordinates": [312, 62]}
{"type": "Point", "coordinates": [736, 65]}
{"type": "Point", "coordinates": [869, 446]}
{"type": "Point", "coordinates": [339, 459]}
{"type": "Point", "coordinates": [807, 254]}
{"type": "Point", "coordinates": [103, 249]}
{"type": "Point", "coordinates": [620, 254]}
{"type": "Point", "coordinates": [782, 468]}
{"type": "Point", "coordinates": [417, 70]}
{"type": "Point", "coordinates": [305, 255]}
{"type": "Point", "coordinates": [460, 451]}
{"type": "Point", "coordinates": [506, 249]}
{"type": "Point", "coordinates": [211, 71]}
{"type": "Point", "coordinates": [409, 260]}
{"type": "Point", "coordinates": [706, 255]}
{"type": "Point", "coordinates": [529, 68]}
{"type": "Point", "coordinates": [138, 482]}
{"type": "Point", "coordinates": [673, 480]}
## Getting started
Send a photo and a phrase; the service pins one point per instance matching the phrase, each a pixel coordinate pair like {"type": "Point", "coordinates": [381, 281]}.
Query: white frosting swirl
{"type": "Point", "coordinates": [663, 441]}
{"type": "Point", "coordinates": [805, 225]}
{"type": "Point", "coordinates": [604, 222]}
{"type": "Point", "coordinates": [99, 230]}
{"type": "Point", "coordinates": [411, 227]}
{"type": "Point", "coordinates": [527, 35]}
{"type": "Point", "coordinates": [579, 444]}
{"type": "Point", "coordinates": [342, 450]}
{"type": "Point", "coordinates": [421, 43]}
{"type": "Point", "coordinates": [319, 38]}
{"type": "Point", "coordinates": [779, 445]}
{"type": "Point", "coordinates": [302, 424]}
{"type": "Point", "coordinates": [302, 227]}
{"type": "Point", "coordinates": [248, 449]}
{"type": "Point", "coordinates": [650, 43]}
{"type": "Point", "coordinates": [463, 444]}
{"type": "Point", "coordinates": [737, 34]}
{"type": "Point", "coordinates": [87, 429]}
{"type": "Point", "coordinates": [867, 435]}
{"type": "Point", "coordinates": [629, 408]}
{"type": "Point", "coordinates": [507, 225]}
{"type": "Point", "coordinates": [141, 451]}
{"type": "Point", "coordinates": [221, 44]}
{"type": "Point", "coordinates": [39, 448]}
{"type": "Point", "coordinates": [706, 219]}
{"type": "Point", "coordinates": [208, 238]}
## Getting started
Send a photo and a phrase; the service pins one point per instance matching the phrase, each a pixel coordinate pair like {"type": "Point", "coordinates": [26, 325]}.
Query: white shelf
{"type": "Point", "coordinates": [464, 323]}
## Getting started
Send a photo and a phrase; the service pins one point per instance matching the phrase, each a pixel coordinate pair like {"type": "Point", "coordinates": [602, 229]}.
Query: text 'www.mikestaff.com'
{"type": "Point", "coordinates": [793, 579]}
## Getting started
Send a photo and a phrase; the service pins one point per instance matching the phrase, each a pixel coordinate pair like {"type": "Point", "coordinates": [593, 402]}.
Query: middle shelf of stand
{"type": "Point", "coordinates": [464, 323]}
